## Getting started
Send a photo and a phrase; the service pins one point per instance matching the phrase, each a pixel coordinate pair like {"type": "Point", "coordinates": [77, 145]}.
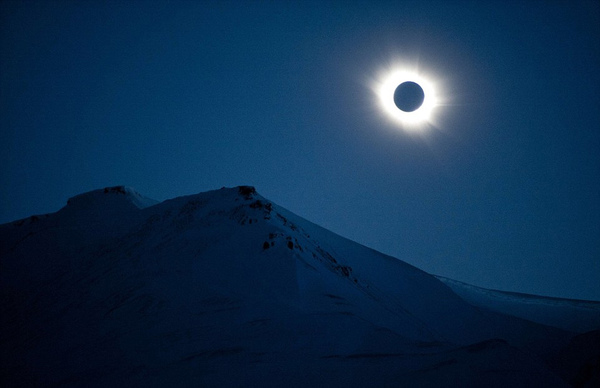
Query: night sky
{"type": "Point", "coordinates": [501, 188]}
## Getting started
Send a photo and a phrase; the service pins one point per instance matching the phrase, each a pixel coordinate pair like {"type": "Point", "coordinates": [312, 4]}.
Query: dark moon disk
{"type": "Point", "coordinates": [409, 96]}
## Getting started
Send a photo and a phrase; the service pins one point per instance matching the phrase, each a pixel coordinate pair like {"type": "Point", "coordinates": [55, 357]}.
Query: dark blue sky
{"type": "Point", "coordinates": [175, 98]}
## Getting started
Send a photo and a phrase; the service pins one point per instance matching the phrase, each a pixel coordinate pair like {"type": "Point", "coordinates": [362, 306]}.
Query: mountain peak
{"type": "Point", "coordinates": [119, 196]}
{"type": "Point", "coordinates": [247, 191]}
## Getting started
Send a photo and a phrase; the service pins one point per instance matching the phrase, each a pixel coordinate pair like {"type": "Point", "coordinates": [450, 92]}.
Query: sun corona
{"type": "Point", "coordinates": [385, 88]}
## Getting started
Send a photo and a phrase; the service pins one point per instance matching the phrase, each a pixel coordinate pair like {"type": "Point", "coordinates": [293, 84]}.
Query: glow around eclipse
{"type": "Point", "coordinates": [385, 87]}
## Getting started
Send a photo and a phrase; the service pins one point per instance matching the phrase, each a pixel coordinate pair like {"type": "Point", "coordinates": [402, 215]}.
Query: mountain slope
{"type": "Point", "coordinates": [225, 288]}
{"type": "Point", "coordinates": [578, 316]}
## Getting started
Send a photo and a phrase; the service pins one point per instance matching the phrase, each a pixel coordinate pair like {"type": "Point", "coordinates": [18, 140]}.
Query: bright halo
{"type": "Point", "coordinates": [386, 87]}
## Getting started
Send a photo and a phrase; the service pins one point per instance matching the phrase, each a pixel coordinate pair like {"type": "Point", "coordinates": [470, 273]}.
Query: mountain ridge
{"type": "Point", "coordinates": [574, 315]}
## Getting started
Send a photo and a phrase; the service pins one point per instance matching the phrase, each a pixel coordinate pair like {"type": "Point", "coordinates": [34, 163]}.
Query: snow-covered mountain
{"type": "Point", "coordinates": [226, 288]}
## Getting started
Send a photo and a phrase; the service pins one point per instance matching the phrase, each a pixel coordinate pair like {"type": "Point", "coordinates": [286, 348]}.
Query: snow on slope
{"type": "Point", "coordinates": [574, 315]}
{"type": "Point", "coordinates": [225, 288]}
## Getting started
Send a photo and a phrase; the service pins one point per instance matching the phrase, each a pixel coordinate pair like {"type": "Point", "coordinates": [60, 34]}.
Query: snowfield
{"type": "Point", "coordinates": [227, 289]}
